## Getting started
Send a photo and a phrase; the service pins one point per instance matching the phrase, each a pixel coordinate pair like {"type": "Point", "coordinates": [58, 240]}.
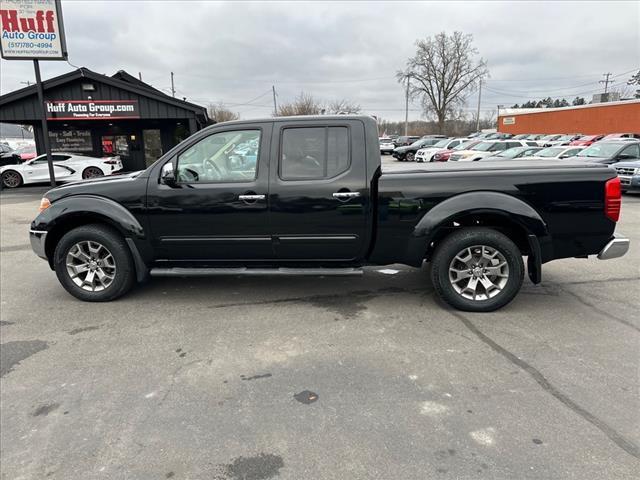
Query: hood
{"type": "Point", "coordinates": [89, 186]}
{"type": "Point", "coordinates": [631, 164]}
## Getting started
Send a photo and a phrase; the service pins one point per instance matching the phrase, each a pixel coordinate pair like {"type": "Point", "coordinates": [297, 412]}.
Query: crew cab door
{"type": "Point", "coordinates": [217, 208]}
{"type": "Point", "coordinates": [319, 195]}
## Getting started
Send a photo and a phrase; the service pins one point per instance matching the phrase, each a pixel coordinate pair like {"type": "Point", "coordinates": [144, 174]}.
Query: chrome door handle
{"type": "Point", "coordinates": [251, 198]}
{"type": "Point", "coordinates": [343, 195]}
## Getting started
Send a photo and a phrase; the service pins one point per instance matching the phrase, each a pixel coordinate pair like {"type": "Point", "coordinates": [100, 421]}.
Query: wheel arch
{"type": "Point", "coordinates": [500, 211]}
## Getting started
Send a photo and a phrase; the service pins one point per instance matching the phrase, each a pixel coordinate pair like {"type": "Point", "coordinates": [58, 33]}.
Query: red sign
{"type": "Point", "coordinates": [92, 109]}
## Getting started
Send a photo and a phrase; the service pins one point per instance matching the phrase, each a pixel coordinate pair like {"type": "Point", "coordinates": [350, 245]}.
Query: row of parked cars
{"type": "Point", "coordinates": [620, 150]}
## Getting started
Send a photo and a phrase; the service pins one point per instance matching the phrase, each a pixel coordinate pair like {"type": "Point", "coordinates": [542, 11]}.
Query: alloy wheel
{"type": "Point", "coordinates": [479, 272]}
{"type": "Point", "coordinates": [92, 172]}
{"type": "Point", "coordinates": [11, 179]}
{"type": "Point", "coordinates": [91, 266]}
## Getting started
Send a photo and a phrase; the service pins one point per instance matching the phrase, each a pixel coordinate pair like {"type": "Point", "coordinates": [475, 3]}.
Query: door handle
{"type": "Point", "coordinates": [345, 195]}
{"type": "Point", "coordinates": [251, 198]}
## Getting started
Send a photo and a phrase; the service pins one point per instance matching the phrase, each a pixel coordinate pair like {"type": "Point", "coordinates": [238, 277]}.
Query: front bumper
{"type": "Point", "coordinates": [629, 183]}
{"type": "Point", "coordinates": [617, 247]}
{"type": "Point", "coordinates": [37, 239]}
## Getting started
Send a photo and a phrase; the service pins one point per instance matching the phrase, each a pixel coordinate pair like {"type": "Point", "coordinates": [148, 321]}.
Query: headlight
{"type": "Point", "coordinates": [44, 204]}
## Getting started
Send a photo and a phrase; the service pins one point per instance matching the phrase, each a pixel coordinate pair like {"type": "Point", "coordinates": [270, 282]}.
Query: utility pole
{"type": "Point", "coordinates": [479, 100]}
{"type": "Point", "coordinates": [606, 81]}
{"type": "Point", "coordinates": [275, 105]}
{"type": "Point", "coordinates": [406, 110]}
{"type": "Point", "coordinates": [43, 122]}
{"type": "Point", "coordinates": [27, 83]}
{"type": "Point", "coordinates": [140, 76]}
{"type": "Point", "coordinates": [173, 88]}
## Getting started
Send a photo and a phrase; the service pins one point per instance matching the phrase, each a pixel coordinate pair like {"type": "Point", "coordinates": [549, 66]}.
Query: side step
{"type": "Point", "coordinates": [211, 272]}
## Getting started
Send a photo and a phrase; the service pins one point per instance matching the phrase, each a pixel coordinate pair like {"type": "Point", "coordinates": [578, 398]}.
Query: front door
{"type": "Point", "coordinates": [218, 209]}
{"type": "Point", "coordinates": [318, 193]}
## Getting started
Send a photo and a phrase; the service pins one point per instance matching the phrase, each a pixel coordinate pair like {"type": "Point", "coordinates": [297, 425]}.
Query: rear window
{"type": "Point", "coordinates": [313, 153]}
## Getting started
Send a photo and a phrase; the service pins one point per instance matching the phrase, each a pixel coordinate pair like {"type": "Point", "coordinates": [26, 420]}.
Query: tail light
{"type": "Point", "coordinates": [612, 199]}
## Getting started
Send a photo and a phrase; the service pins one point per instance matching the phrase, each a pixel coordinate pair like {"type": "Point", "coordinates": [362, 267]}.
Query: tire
{"type": "Point", "coordinates": [11, 179]}
{"type": "Point", "coordinates": [119, 266]}
{"type": "Point", "coordinates": [92, 172]}
{"type": "Point", "coordinates": [449, 273]}
{"type": "Point", "coordinates": [410, 157]}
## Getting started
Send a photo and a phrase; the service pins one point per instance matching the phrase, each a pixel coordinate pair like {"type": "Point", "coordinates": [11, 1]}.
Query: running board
{"type": "Point", "coordinates": [211, 272]}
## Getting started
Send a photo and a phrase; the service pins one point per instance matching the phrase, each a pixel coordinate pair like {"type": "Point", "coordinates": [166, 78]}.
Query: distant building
{"type": "Point", "coordinates": [592, 119]}
{"type": "Point", "coordinates": [606, 97]}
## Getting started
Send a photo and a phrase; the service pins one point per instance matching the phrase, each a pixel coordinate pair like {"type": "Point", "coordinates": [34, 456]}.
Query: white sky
{"type": "Point", "coordinates": [234, 52]}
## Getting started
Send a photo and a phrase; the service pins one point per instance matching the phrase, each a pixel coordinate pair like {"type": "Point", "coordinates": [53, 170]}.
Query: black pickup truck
{"type": "Point", "coordinates": [307, 195]}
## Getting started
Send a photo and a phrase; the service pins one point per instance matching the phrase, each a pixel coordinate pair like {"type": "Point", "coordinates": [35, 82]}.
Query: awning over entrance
{"type": "Point", "coordinates": [101, 116]}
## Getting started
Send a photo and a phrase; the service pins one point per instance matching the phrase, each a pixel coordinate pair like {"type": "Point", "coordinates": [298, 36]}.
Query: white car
{"type": "Point", "coordinates": [557, 152]}
{"type": "Point", "coordinates": [426, 154]}
{"type": "Point", "coordinates": [67, 167]}
{"type": "Point", "coordinates": [488, 148]}
{"type": "Point", "coordinates": [386, 146]}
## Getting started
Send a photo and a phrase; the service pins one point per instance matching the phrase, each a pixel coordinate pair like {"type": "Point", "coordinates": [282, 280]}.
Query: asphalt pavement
{"type": "Point", "coordinates": [327, 378]}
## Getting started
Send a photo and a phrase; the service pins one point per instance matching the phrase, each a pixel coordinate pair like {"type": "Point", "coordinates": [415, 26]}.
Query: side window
{"type": "Point", "coordinates": [313, 153]}
{"type": "Point", "coordinates": [59, 158]}
{"type": "Point", "coordinates": [455, 143]}
{"type": "Point", "coordinates": [498, 147]}
{"type": "Point", "coordinates": [221, 158]}
{"type": "Point", "coordinates": [632, 151]}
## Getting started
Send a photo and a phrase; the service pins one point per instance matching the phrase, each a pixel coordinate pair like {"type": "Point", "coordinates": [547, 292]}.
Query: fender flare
{"type": "Point", "coordinates": [480, 202]}
{"type": "Point", "coordinates": [103, 208]}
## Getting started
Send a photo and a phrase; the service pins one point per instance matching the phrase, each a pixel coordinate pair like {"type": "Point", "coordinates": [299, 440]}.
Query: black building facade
{"type": "Point", "coordinates": [101, 116]}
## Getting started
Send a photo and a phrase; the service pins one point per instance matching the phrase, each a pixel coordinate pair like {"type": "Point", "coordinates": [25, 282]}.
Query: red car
{"type": "Point", "coordinates": [27, 152]}
{"type": "Point", "coordinates": [587, 140]}
{"type": "Point", "coordinates": [443, 155]}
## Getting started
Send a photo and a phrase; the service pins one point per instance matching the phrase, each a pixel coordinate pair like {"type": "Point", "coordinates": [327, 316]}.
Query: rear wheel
{"type": "Point", "coordinates": [477, 270]}
{"type": "Point", "coordinates": [92, 172]}
{"type": "Point", "coordinates": [93, 263]}
{"type": "Point", "coordinates": [11, 179]}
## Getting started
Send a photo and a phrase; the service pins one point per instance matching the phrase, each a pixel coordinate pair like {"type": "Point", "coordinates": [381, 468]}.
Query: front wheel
{"type": "Point", "coordinates": [410, 157]}
{"type": "Point", "coordinates": [11, 179]}
{"type": "Point", "coordinates": [93, 263]}
{"type": "Point", "coordinates": [477, 270]}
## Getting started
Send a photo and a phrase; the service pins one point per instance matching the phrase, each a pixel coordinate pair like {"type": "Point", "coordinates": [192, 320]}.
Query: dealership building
{"type": "Point", "coordinates": [100, 115]}
{"type": "Point", "coordinates": [592, 119]}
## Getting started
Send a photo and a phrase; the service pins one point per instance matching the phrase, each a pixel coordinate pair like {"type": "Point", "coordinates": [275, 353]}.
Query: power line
{"type": "Point", "coordinates": [606, 81]}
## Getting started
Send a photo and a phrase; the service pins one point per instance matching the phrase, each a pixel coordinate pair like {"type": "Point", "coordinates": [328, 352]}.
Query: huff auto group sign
{"type": "Point", "coordinates": [32, 29]}
{"type": "Point", "coordinates": [92, 109]}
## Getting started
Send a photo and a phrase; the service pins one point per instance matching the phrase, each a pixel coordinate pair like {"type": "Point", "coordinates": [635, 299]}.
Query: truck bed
{"type": "Point", "coordinates": [446, 167]}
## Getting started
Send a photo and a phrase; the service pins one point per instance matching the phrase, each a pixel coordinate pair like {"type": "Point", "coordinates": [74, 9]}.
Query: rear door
{"type": "Point", "coordinates": [318, 191]}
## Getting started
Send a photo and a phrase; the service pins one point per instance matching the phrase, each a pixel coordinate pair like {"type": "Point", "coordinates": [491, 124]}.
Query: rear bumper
{"type": "Point", "coordinates": [617, 247]}
{"type": "Point", "coordinates": [37, 239]}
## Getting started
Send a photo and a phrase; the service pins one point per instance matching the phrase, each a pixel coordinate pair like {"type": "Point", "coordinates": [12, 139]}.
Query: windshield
{"type": "Point", "coordinates": [442, 143]}
{"type": "Point", "coordinates": [512, 152]}
{"type": "Point", "coordinates": [565, 137]}
{"type": "Point", "coordinates": [550, 152]}
{"type": "Point", "coordinates": [600, 150]}
{"type": "Point", "coordinates": [466, 145]}
{"type": "Point", "coordinates": [26, 149]}
{"type": "Point", "coordinates": [483, 146]}
{"type": "Point", "coordinates": [549, 137]}
{"type": "Point", "coordinates": [386, 140]}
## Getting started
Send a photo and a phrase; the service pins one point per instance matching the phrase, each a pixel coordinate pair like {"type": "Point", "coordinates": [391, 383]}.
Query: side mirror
{"type": "Point", "coordinates": [168, 175]}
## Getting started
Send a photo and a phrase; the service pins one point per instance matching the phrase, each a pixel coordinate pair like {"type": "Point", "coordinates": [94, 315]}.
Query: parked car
{"type": "Point", "coordinates": [562, 140]}
{"type": "Point", "coordinates": [28, 152]}
{"type": "Point", "coordinates": [629, 175]}
{"type": "Point", "coordinates": [443, 155]}
{"type": "Point", "coordinates": [610, 152]}
{"type": "Point", "coordinates": [408, 153]}
{"type": "Point", "coordinates": [513, 153]}
{"type": "Point", "coordinates": [404, 141]}
{"type": "Point", "coordinates": [616, 136]}
{"type": "Point", "coordinates": [487, 149]}
{"type": "Point", "coordinates": [521, 136]}
{"type": "Point", "coordinates": [301, 210]}
{"type": "Point", "coordinates": [543, 141]}
{"type": "Point", "coordinates": [426, 154]}
{"type": "Point", "coordinates": [560, 152]}
{"type": "Point", "coordinates": [587, 140]}
{"type": "Point", "coordinates": [386, 146]}
{"type": "Point", "coordinates": [67, 167]}
{"type": "Point", "coordinates": [8, 156]}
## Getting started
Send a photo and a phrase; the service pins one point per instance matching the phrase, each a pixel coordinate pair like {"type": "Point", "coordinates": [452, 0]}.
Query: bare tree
{"type": "Point", "coordinates": [634, 81]}
{"type": "Point", "coordinates": [443, 73]}
{"type": "Point", "coordinates": [343, 107]}
{"type": "Point", "coordinates": [303, 104]}
{"type": "Point", "coordinates": [219, 113]}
